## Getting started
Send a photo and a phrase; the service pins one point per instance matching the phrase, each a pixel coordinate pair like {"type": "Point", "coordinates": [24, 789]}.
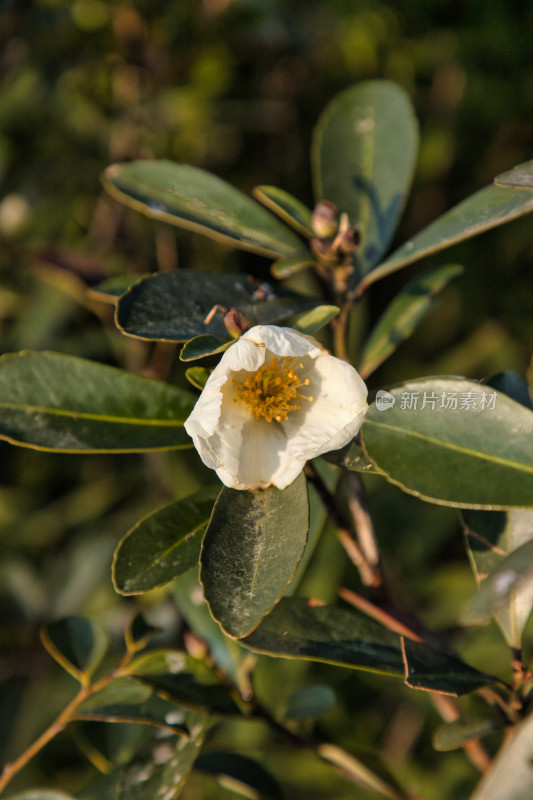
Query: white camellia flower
{"type": "Point", "coordinates": [275, 400]}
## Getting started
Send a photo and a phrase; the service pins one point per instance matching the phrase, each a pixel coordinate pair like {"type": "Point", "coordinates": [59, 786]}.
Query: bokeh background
{"type": "Point", "coordinates": [235, 87]}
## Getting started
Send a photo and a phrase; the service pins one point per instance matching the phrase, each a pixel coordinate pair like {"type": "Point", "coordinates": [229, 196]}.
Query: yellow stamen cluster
{"type": "Point", "coordinates": [272, 391]}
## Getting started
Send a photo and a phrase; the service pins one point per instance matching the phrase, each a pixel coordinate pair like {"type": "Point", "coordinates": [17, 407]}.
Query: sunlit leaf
{"type": "Point", "coordinates": [197, 376]}
{"type": "Point", "coordinates": [177, 306]}
{"type": "Point", "coordinates": [486, 209]}
{"type": "Point", "coordinates": [203, 346]}
{"type": "Point", "coordinates": [50, 401]}
{"type": "Point", "coordinates": [288, 208]}
{"type": "Point", "coordinates": [251, 549]}
{"type": "Point", "coordinates": [192, 198]}
{"type": "Point", "coordinates": [435, 671]}
{"type": "Point", "coordinates": [164, 544]}
{"type": "Point", "coordinates": [363, 156]}
{"type": "Point", "coordinates": [290, 265]}
{"type": "Point", "coordinates": [352, 457]}
{"type": "Point", "coordinates": [520, 176]}
{"type": "Point", "coordinates": [463, 444]}
{"type": "Point", "coordinates": [511, 773]}
{"type": "Point", "coordinates": [312, 321]}
{"type": "Point", "coordinates": [490, 537]}
{"type": "Point", "coordinates": [297, 629]}
{"type": "Point", "coordinates": [78, 644]}
{"type": "Point", "coordinates": [152, 711]}
{"type": "Point", "coordinates": [402, 316]}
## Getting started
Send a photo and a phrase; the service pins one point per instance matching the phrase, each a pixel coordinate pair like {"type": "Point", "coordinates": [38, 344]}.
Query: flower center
{"type": "Point", "coordinates": [273, 391]}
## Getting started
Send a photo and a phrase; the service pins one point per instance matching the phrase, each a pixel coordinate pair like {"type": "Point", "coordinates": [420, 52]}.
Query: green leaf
{"type": "Point", "coordinates": [183, 679]}
{"type": "Point", "coordinates": [363, 157]}
{"type": "Point", "coordinates": [472, 457]}
{"type": "Point", "coordinates": [310, 702]}
{"type": "Point", "coordinates": [251, 549]}
{"type": "Point", "coordinates": [159, 771]}
{"type": "Point", "coordinates": [151, 711]}
{"type": "Point", "coordinates": [203, 346]}
{"type": "Point", "coordinates": [50, 401]}
{"type": "Point", "coordinates": [435, 671]}
{"type": "Point", "coordinates": [312, 321]}
{"type": "Point", "coordinates": [288, 208]}
{"type": "Point", "coordinates": [174, 306]}
{"type": "Point", "coordinates": [290, 265]}
{"type": "Point", "coordinates": [403, 315]}
{"type": "Point", "coordinates": [197, 376]}
{"type": "Point", "coordinates": [456, 734]}
{"type": "Point", "coordinates": [521, 176]}
{"type": "Point", "coordinates": [77, 644]}
{"type": "Point", "coordinates": [352, 457]}
{"type": "Point", "coordinates": [232, 659]}
{"type": "Point", "coordinates": [163, 545]}
{"type": "Point", "coordinates": [297, 629]}
{"type": "Point", "coordinates": [121, 691]}
{"type": "Point", "coordinates": [497, 591]}
{"type": "Point", "coordinates": [490, 537]}
{"type": "Point", "coordinates": [486, 209]}
{"type": "Point", "coordinates": [511, 774]}
{"type": "Point", "coordinates": [192, 198]}
{"type": "Point", "coordinates": [239, 774]}
{"type": "Point", "coordinates": [139, 633]}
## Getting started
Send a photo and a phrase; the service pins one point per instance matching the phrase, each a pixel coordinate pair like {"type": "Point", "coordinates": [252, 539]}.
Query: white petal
{"type": "Point", "coordinates": [283, 341]}
{"type": "Point", "coordinates": [336, 413]}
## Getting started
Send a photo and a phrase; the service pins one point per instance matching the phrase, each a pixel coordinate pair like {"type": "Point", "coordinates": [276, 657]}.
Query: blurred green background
{"type": "Point", "coordinates": [236, 86]}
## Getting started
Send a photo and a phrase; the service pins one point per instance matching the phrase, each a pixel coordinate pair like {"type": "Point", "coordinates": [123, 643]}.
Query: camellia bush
{"type": "Point", "coordinates": [274, 414]}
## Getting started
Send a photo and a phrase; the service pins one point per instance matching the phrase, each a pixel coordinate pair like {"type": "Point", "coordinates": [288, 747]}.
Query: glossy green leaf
{"type": "Point", "coordinates": [192, 198]}
{"type": "Point", "coordinates": [486, 209]}
{"type": "Point", "coordinates": [251, 550]}
{"type": "Point", "coordinates": [179, 677]}
{"type": "Point", "coordinates": [203, 346]}
{"type": "Point", "coordinates": [312, 321]}
{"type": "Point", "coordinates": [352, 457]}
{"type": "Point", "coordinates": [174, 306]}
{"type": "Point", "coordinates": [496, 592]}
{"type": "Point", "coordinates": [78, 644]}
{"type": "Point", "coordinates": [463, 445]}
{"type": "Point", "coordinates": [240, 774]}
{"type": "Point", "coordinates": [197, 376]}
{"type": "Point", "coordinates": [363, 156]}
{"type": "Point", "coordinates": [511, 774]}
{"type": "Point", "coordinates": [403, 315]}
{"type": "Point", "coordinates": [456, 734]}
{"type": "Point", "coordinates": [164, 544]}
{"type": "Point", "coordinates": [490, 537]}
{"type": "Point", "coordinates": [288, 208]}
{"type": "Point", "coordinates": [521, 176]}
{"type": "Point", "coordinates": [290, 265]}
{"type": "Point", "coordinates": [50, 401]}
{"type": "Point", "coordinates": [435, 671]}
{"type": "Point", "coordinates": [298, 629]}
{"type": "Point", "coordinates": [310, 702]}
